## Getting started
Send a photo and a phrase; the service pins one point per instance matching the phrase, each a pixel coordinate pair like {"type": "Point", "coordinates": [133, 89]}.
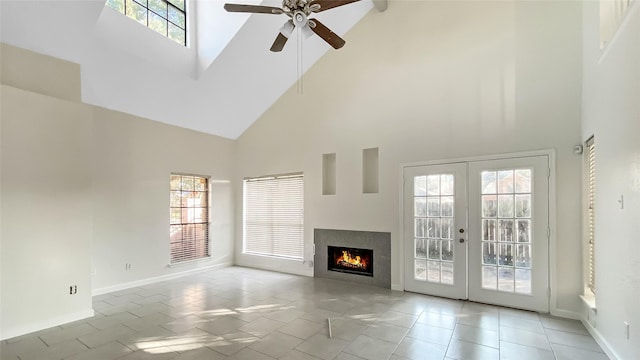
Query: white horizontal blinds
{"type": "Point", "coordinates": [591, 194]}
{"type": "Point", "coordinates": [189, 222]}
{"type": "Point", "coordinates": [274, 216]}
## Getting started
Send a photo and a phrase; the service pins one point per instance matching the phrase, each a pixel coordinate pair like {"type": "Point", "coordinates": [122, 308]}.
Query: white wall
{"type": "Point", "coordinates": [611, 112]}
{"type": "Point", "coordinates": [46, 211]}
{"type": "Point", "coordinates": [132, 160]}
{"type": "Point", "coordinates": [427, 81]}
{"type": "Point", "coordinates": [85, 190]}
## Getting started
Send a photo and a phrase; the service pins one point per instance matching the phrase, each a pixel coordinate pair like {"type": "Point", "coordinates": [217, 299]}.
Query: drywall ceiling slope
{"type": "Point", "coordinates": [128, 68]}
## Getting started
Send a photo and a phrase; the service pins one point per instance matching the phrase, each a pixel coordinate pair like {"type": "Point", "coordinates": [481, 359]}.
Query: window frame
{"type": "Point", "coordinates": [590, 209]}
{"type": "Point", "coordinates": [121, 7]}
{"type": "Point", "coordinates": [295, 226]}
{"type": "Point", "coordinates": [200, 244]}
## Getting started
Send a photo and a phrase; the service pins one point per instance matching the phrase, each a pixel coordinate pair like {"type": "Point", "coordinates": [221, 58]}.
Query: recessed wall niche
{"type": "Point", "coordinates": [329, 174]}
{"type": "Point", "coordinates": [370, 171]}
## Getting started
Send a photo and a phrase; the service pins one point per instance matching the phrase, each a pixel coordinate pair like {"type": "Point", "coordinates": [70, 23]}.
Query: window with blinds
{"type": "Point", "coordinates": [274, 216]}
{"type": "Point", "coordinates": [189, 221]}
{"type": "Point", "coordinates": [591, 188]}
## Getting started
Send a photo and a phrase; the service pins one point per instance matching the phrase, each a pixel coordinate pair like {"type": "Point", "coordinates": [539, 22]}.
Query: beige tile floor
{"type": "Point", "coordinates": [239, 313]}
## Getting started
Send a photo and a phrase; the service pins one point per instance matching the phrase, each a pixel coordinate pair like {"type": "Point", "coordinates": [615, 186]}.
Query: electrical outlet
{"type": "Point", "coordinates": [626, 329]}
{"type": "Point", "coordinates": [127, 266]}
{"type": "Point", "coordinates": [73, 289]}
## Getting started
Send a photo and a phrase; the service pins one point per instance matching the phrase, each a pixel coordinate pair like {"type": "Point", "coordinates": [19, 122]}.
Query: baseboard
{"type": "Point", "coordinates": [55, 321]}
{"type": "Point", "coordinates": [147, 281]}
{"type": "Point", "coordinates": [604, 344]}
{"type": "Point", "coordinates": [566, 314]}
{"type": "Point", "coordinates": [397, 287]}
{"type": "Point", "coordinates": [280, 269]}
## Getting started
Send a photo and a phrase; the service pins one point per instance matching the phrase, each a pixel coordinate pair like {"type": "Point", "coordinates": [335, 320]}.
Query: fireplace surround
{"type": "Point", "coordinates": [376, 245]}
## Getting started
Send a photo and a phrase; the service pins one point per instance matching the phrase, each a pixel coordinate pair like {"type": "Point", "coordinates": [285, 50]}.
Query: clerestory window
{"type": "Point", "coordinates": [167, 17]}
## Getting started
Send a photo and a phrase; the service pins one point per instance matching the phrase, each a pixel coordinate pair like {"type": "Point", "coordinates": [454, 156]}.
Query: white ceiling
{"type": "Point", "coordinates": [220, 84]}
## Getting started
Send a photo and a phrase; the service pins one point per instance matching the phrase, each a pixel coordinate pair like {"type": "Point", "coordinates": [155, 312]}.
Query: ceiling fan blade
{"type": "Point", "coordinates": [324, 32]}
{"type": "Point", "coordinates": [256, 9]}
{"type": "Point", "coordinates": [328, 4]}
{"type": "Point", "coordinates": [278, 44]}
{"type": "Point", "coordinates": [283, 36]}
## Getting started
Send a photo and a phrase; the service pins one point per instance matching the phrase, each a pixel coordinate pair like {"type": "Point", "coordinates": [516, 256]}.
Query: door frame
{"type": "Point", "coordinates": [550, 153]}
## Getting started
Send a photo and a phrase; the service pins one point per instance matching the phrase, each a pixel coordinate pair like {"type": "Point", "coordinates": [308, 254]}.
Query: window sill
{"type": "Point", "coordinates": [589, 300]}
{"type": "Point", "coordinates": [190, 262]}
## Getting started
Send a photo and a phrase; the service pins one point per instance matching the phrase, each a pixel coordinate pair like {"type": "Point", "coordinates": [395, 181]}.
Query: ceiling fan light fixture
{"type": "Point", "coordinates": [287, 29]}
{"type": "Point", "coordinates": [306, 31]}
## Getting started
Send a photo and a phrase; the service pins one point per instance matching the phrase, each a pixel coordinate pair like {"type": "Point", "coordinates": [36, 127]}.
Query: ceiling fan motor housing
{"type": "Point", "coordinates": [299, 18]}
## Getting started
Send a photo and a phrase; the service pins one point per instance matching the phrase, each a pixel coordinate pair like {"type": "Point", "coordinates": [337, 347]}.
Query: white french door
{"type": "Point", "coordinates": [435, 219]}
{"type": "Point", "coordinates": [478, 230]}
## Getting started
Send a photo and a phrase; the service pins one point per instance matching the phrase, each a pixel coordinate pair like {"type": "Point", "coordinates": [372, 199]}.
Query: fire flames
{"type": "Point", "coordinates": [347, 260]}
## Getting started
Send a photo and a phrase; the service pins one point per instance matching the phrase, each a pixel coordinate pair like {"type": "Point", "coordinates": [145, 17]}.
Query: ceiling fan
{"type": "Point", "coordinates": [298, 11]}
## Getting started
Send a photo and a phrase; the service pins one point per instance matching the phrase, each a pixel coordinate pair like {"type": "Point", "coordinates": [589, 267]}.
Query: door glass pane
{"type": "Point", "coordinates": [506, 230]}
{"type": "Point", "coordinates": [433, 271]}
{"type": "Point", "coordinates": [489, 206]}
{"type": "Point", "coordinates": [434, 249]}
{"type": "Point", "coordinates": [523, 181]}
{"type": "Point", "coordinates": [446, 184]}
{"type": "Point", "coordinates": [421, 248]}
{"type": "Point", "coordinates": [505, 182]}
{"type": "Point", "coordinates": [524, 230]}
{"type": "Point", "coordinates": [433, 185]}
{"type": "Point", "coordinates": [505, 206]}
{"type": "Point", "coordinates": [523, 256]}
{"type": "Point", "coordinates": [447, 228]}
{"type": "Point", "coordinates": [488, 229]}
{"type": "Point", "coordinates": [506, 254]}
{"type": "Point", "coordinates": [420, 209]}
{"type": "Point", "coordinates": [506, 279]}
{"type": "Point", "coordinates": [489, 253]}
{"type": "Point", "coordinates": [447, 273]}
{"type": "Point", "coordinates": [420, 226]}
{"type": "Point", "coordinates": [523, 206]}
{"type": "Point", "coordinates": [433, 228]}
{"type": "Point", "coordinates": [420, 186]}
{"type": "Point", "coordinates": [489, 277]}
{"type": "Point", "coordinates": [420, 269]}
{"type": "Point", "coordinates": [447, 250]}
{"type": "Point", "coordinates": [433, 206]}
{"type": "Point", "coordinates": [523, 281]}
{"type": "Point", "coordinates": [489, 182]}
{"type": "Point", "coordinates": [434, 220]}
{"type": "Point", "coordinates": [446, 206]}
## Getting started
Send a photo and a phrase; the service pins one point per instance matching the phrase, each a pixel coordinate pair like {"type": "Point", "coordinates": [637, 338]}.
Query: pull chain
{"type": "Point", "coordinates": [300, 82]}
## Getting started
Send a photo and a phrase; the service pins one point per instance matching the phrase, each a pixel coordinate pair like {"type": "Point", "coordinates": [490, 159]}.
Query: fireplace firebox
{"type": "Point", "coordinates": [350, 260]}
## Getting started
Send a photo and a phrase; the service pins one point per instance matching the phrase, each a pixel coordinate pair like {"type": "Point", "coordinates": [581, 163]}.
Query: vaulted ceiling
{"type": "Point", "coordinates": [220, 84]}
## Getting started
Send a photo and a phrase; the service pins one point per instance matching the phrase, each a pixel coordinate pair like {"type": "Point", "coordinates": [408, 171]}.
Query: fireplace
{"type": "Point", "coordinates": [350, 260]}
{"type": "Point", "coordinates": [372, 247]}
